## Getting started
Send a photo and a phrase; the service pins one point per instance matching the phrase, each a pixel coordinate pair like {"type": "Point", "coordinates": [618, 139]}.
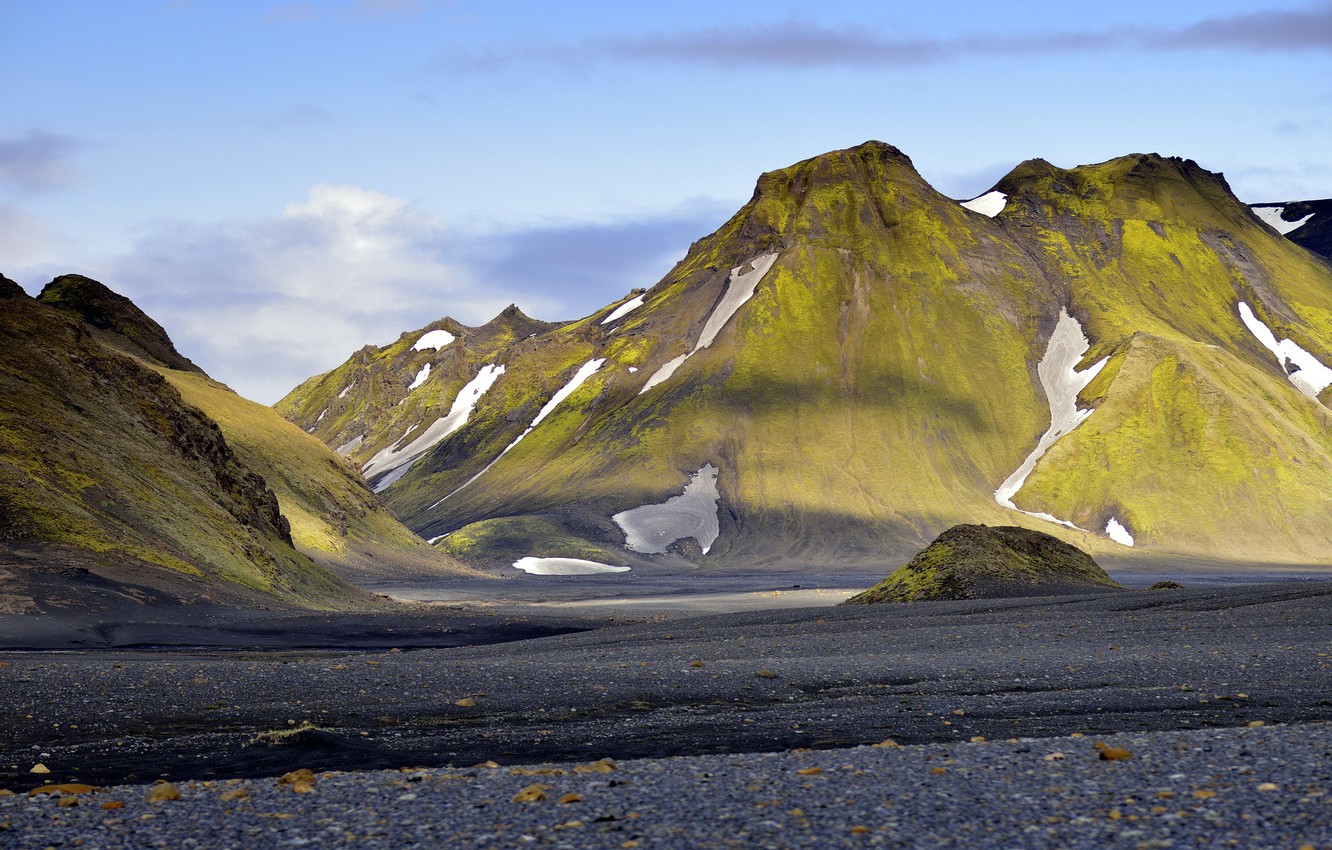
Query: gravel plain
{"type": "Point", "coordinates": [1221, 695]}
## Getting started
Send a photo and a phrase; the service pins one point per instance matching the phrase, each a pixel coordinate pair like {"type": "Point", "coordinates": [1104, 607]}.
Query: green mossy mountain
{"type": "Point", "coordinates": [117, 320]}
{"type": "Point", "coordinates": [882, 381]}
{"type": "Point", "coordinates": [125, 479]}
{"type": "Point", "coordinates": [979, 562]}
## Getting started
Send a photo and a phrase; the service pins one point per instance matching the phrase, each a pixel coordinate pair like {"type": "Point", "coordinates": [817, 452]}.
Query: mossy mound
{"type": "Point", "coordinates": [983, 562]}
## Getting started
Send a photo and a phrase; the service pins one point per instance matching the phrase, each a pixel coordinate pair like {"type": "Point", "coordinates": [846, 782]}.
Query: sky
{"type": "Point", "coordinates": [281, 183]}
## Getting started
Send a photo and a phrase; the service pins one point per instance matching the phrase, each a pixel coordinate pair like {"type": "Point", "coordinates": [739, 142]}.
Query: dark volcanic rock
{"type": "Point", "coordinates": [983, 562]}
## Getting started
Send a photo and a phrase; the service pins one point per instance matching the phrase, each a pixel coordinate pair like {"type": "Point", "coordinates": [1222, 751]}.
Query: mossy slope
{"type": "Point", "coordinates": [881, 382]}
{"type": "Point", "coordinates": [978, 562]}
{"type": "Point", "coordinates": [110, 464]}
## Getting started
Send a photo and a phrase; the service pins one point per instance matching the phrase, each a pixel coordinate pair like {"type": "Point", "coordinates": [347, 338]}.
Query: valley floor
{"type": "Point", "coordinates": [1223, 694]}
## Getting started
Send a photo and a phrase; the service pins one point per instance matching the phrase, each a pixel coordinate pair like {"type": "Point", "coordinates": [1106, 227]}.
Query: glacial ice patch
{"type": "Point", "coordinates": [564, 567]}
{"type": "Point", "coordinates": [693, 513]}
{"type": "Point", "coordinates": [740, 288]}
{"type": "Point", "coordinates": [394, 461]}
{"type": "Point", "coordinates": [1118, 533]}
{"type": "Point", "coordinates": [990, 204]}
{"type": "Point", "coordinates": [1271, 216]}
{"type": "Point", "coordinates": [1062, 383]}
{"type": "Point", "coordinates": [433, 339]}
{"type": "Point", "coordinates": [1305, 371]}
{"type": "Point", "coordinates": [624, 309]}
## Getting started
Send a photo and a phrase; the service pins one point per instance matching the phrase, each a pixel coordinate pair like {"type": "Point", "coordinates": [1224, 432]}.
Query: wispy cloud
{"type": "Point", "coordinates": [801, 45]}
{"type": "Point", "coordinates": [264, 304]}
{"type": "Point", "coordinates": [38, 161]}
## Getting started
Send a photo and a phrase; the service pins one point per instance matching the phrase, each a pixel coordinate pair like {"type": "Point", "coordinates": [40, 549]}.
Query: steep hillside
{"type": "Point", "coordinates": [115, 488]}
{"type": "Point", "coordinates": [1121, 353]}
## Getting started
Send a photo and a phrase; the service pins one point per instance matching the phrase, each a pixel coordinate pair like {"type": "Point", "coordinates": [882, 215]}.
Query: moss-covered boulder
{"type": "Point", "coordinates": [983, 562]}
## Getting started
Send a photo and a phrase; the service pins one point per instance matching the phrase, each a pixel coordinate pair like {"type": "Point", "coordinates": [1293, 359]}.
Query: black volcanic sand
{"type": "Point", "coordinates": [929, 673]}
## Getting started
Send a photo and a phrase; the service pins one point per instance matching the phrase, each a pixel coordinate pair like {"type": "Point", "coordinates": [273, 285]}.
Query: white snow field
{"type": "Point", "coordinates": [624, 309]}
{"type": "Point", "coordinates": [1062, 383]}
{"type": "Point", "coordinates": [1118, 533]}
{"type": "Point", "coordinates": [584, 372]}
{"type": "Point", "coordinates": [564, 567]}
{"type": "Point", "coordinates": [350, 446]}
{"type": "Point", "coordinates": [1271, 216]}
{"type": "Point", "coordinates": [433, 339]}
{"type": "Point", "coordinates": [396, 461]}
{"type": "Point", "coordinates": [693, 513]}
{"type": "Point", "coordinates": [990, 204]}
{"type": "Point", "coordinates": [739, 289]}
{"type": "Point", "coordinates": [420, 378]}
{"type": "Point", "coordinates": [1308, 374]}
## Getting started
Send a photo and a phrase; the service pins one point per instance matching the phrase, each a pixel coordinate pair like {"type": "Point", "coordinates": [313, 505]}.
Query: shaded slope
{"type": "Point", "coordinates": [103, 467]}
{"type": "Point", "coordinates": [118, 320]}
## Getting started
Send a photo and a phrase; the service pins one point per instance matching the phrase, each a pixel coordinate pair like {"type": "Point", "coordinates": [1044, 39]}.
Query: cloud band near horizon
{"type": "Point", "coordinates": [799, 45]}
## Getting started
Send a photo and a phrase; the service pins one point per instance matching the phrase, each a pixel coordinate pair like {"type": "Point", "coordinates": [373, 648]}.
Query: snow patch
{"type": "Point", "coordinates": [1271, 216]}
{"type": "Point", "coordinates": [1305, 371]}
{"type": "Point", "coordinates": [346, 390]}
{"type": "Point", "coordinates": [420, 378]}
{"type": "Point", "coordinates": [393, 462]}
{"type": "Point", "coordinates": [633, 369]}
{"type": "Point", "coordinates": [351, 445]}
{"type": "Point", "coordinates": [1062, 383]}
{"type": "Point", "coordinates": [740, 288]}
{"type": "Point", "coordinates": [1118, 533]}
{"type": "Point", "coordinates": [693, 513]}
{"type": "Point", "coordinates": [990, 204]}
{"type": "Point", "coordinates": [433, 339]}
{"type": "Point", "coordinates": [564, 567]}
{"type": "Point", "coordinates": [584, 372]}
{"type": "Point", "coordinates": [432, 541]}
{"type": "Point", "coordinates": [624, 309]}
{"type": "Point", "coordinates": [321, 416]}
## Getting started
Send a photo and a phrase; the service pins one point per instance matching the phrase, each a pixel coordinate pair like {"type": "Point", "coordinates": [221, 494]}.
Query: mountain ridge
{"type": "Point", "coordinates": [879, 381]}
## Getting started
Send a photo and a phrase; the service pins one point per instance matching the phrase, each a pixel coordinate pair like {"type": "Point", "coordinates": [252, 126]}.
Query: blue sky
{"type": "Point", "coordinates": [280, 183]}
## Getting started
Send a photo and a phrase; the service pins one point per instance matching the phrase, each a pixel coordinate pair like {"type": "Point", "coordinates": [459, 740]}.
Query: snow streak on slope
{"type": "Point", "coordinates": [693, 513]}
{"type": "Point", "coordinates": [564, 567]}
{"type": "Point", "coordinates": [420, 378]}
{"type": "Point", "coordinates": [624, 309]}
{"type": "Point", "coordinates": [1271, 216]}
{"type": "Point", "coordinates": [584, 372]}
{"type": "Point", "coordinates": [990, 204]}
{"type": "Point", "coordinates": [1062, 383]}
{"type": "Point", "coordinates": [396, 461]}
{"type": "Point", "coordinates": [1304, 370]}
{"type": "Point", "coordinates": [739, 289]}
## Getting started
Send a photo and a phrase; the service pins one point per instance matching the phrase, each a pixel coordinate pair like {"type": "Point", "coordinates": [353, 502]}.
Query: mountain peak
{"type": "Point", "coordinates": [129, 328]}
{"type": "Point", "coordinates": [10, 289]}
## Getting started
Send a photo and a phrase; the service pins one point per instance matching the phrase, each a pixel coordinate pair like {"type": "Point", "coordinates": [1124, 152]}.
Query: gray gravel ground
{"type": "Point", "coordinates": [932, 676]}
{"type": "Point", "coordinates": [1266, 787]}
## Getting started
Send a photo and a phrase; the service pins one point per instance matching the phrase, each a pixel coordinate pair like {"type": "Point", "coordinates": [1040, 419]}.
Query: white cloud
{"type": "Point", "coordinates": [262, 305]}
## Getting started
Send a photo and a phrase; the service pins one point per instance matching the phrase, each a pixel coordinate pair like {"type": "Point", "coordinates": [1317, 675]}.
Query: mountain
{"type": "Point", "coordinates": [126, 474]}
{"type": "Point", "coordinates": [1306, 223]}
{"type": "Point", "coordinates": [1122, 353]}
